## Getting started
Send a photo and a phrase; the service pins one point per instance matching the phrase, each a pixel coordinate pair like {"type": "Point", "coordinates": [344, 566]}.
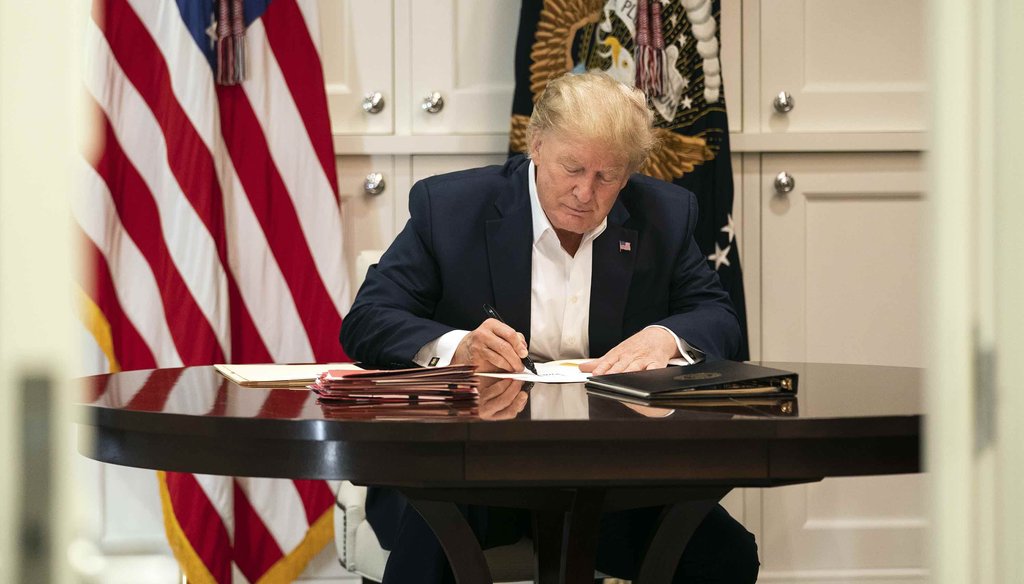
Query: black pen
{"type": "Point", "coordinates": [526, 360]}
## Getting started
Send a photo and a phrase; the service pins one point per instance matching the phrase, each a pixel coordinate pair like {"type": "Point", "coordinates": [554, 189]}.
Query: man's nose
{"type": "Point", "coordinates": [584, 190]}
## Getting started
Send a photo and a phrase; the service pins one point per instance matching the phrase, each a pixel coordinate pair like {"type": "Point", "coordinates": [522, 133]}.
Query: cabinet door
{"type": "Point", "coordinates": [841, 259]}
{"type": "Point", "coordinates": [841, 279]}
{"type": "Point", "coordinates": [356, 51]}
{"type": "Point", "coordinates": [464, 50]}
{"type": "Point", "coordinates": [368, 220]}
{"type": "Point", "coordinates": [850, 66]}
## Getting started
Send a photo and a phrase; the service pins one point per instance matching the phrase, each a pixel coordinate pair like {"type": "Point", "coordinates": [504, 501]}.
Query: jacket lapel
{"type": "Point", "coordinates": [509, 252]}
{"type": "Point", "coordinates": [614, 258]}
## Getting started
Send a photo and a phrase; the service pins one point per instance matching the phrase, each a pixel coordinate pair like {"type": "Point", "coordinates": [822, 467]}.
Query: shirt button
{"type": "Point", "coordinates": [571, 340]}
{"type": "Point", "coordinates": [573, 298]}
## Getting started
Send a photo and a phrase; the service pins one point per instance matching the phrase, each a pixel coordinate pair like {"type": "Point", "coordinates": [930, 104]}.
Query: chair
{"type": "Point", "coordinates": [360, 553]}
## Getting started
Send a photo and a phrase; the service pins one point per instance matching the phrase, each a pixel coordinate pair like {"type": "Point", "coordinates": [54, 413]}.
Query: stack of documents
{"type": "Point", "coordinates": [398, 387]}
{"type": "Point", "coordinates": [411, 410]}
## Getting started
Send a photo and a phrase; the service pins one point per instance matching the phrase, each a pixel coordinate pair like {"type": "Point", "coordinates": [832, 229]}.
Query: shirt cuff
{"type": "Point", "coordinates": [439, 352]}
{"type": "Point", "coordinates": [688, 352]}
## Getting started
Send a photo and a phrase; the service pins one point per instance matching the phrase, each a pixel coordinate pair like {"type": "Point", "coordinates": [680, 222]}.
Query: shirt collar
{"type": "Point", "coordinates": [540, 220]}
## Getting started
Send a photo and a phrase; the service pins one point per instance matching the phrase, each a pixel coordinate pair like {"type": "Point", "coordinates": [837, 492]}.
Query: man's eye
{"type": "Point", "coordinates": [572, 170]}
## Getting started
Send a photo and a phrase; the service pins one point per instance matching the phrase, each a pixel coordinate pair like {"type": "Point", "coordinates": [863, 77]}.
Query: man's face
{"type": "Point", "coordinates": [577, 181]}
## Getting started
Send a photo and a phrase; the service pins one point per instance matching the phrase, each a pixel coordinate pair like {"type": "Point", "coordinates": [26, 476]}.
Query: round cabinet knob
{"type": "Point", "coordinates": [373, 102]}
{"type": "Point", "coordinates": [433, 103]}
{"type": "Point", "coordinates": [784, 183]}
{"type": "Point", "coordinates": [374, 183]}
{"type": "Point", "coordinates": [783, 103]}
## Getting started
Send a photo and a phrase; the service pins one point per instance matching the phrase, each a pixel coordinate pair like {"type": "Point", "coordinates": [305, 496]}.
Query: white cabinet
{"type": "Point", "coordinates": [841, 277]}
{"type": "Point", "coordinates": [356, 39]}
{"type": "Point", "coordinates": [368, 218]}
{"type": "Point", "coordinates": [842, 258]}
{"type": "Point", "coordinates": [849, 66]}
{"type": "Point", "coordinates": [464, 51]}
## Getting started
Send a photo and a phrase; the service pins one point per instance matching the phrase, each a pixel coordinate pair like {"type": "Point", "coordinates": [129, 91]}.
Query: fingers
{"type": "Point", "coordinates": [507, 347]}
{"type": "Point", "coordinates": [493, 346]}
{"type": "Point", "coordinates": [495, 360]}
{"type": "Point", "coordinates": [605, 364]}
{"type": "Point", "coordinates": [622, 362]}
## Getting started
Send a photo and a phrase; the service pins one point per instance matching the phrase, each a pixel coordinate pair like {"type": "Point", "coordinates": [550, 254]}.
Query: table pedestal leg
{"type": "Point", "coordinates": [676, 526]}
{"type": "Point", "coordinates": [548, 526]}
{"type": "Point", "coordinates": [456, 538]}
{"type": "Point", "coordinates": [579, 538]}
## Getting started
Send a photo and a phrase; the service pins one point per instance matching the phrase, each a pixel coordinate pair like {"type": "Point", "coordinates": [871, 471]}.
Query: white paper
{"type": "Point", "coordinates": [561, 371]}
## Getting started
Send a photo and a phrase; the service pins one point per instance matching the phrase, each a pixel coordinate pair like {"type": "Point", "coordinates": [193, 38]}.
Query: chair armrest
{"type": "Point", "coordinates": [349, 512]}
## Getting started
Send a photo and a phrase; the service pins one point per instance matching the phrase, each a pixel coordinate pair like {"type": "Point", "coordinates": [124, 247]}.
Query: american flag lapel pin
{"type": "Point", "coordinates": [625, 246]}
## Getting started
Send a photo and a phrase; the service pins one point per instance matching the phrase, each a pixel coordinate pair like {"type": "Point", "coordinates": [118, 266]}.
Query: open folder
{"type": "Point", "coordinates": [714, 379]}
{"type": "Point", "coordinates": [278, 375]}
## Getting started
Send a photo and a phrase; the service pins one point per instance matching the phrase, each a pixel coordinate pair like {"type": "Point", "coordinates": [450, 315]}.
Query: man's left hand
{"type": "Point", "coordinates": [650, 348]}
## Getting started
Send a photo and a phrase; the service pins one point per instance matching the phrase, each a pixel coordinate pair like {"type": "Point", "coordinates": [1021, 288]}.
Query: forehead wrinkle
{"type": "Point", "coordinates": [570, 159]}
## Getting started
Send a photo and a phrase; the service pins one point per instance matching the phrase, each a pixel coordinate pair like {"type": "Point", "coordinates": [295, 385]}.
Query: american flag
{"type": "Point", "coordinates": [212, 233]}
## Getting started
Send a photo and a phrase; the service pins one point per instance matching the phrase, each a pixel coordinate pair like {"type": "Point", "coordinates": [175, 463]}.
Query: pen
{"type": "Point", "coordinates": [494, 314]}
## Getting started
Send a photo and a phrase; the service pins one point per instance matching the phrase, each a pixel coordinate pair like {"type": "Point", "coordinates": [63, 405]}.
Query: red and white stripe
{"type": "Point", "coordinates": [210, 220]}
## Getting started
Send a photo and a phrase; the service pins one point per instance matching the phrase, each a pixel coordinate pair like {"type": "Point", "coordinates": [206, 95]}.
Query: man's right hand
{"type": "Point", "coordinates": [493, 346]}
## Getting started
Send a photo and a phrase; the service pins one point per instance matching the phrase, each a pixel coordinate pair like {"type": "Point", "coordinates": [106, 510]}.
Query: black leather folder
{"type": "Point", "coordinates": [713, 379]}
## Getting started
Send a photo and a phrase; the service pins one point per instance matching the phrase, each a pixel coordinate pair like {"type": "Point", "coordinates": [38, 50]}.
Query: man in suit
{"type": "Point", "coordinates": [583, 258]}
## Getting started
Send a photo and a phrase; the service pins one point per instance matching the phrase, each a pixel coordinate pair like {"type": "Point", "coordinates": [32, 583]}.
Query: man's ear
{"type": "Point", "coordinates": [535, 146]}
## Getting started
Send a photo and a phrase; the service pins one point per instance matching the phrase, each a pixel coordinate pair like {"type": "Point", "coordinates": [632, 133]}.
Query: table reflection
{"type": "Point", "coordinates": [825, 391]}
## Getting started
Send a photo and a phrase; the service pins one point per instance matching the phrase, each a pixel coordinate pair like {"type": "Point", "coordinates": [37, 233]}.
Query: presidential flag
{"type": "Point", "coordinates": [670, 49]}
{"type": "Point", "coordinates": [211, 227]}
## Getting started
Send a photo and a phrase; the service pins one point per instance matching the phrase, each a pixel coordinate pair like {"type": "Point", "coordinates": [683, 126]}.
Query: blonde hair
{"type": "Point", "coordinates": [594, 106]}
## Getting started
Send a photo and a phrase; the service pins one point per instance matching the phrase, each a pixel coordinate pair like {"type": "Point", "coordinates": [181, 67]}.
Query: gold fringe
{"type": "Point", "coordinates": [551, 54]}
{"type": "Point", "coordinates": [189, 561]}
{"type": "Point", "coordinates": [98, 326]}
{"type": "Point", "coordinates": [676, 155]}
{"type": "Point", "coordinates": [288, 568]}
{"type": "Point", "coordinates": [517, 133]}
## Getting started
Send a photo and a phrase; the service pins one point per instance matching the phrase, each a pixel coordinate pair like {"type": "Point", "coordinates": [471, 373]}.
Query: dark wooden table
{"type": "Point", "coordinates": [564, 454]}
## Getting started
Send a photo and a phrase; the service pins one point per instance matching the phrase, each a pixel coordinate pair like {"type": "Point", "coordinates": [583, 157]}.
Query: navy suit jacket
{"type": "Point", "coordinates": [469, 242]}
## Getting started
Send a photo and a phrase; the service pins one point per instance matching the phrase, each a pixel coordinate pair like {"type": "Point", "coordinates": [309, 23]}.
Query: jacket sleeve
{"type": "Point", "coordinates": [390, 319]}
{"type": "Point", "coordinates": [700, 310]}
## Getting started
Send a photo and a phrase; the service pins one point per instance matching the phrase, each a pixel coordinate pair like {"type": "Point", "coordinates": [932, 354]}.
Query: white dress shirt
{"type": "Point", "coordinates": [559, 298]}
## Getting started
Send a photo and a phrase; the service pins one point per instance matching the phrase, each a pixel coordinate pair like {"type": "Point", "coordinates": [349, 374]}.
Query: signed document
{"type": "Point", "coordinates": [561, 371]}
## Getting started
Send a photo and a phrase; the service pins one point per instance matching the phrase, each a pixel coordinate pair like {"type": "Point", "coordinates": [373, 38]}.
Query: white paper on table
{"type": "Point", "coordinates": [561, 371]}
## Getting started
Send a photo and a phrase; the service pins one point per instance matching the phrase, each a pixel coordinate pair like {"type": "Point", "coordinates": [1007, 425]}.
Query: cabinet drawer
{"type": "Point", "coordinates": [849, 66]}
